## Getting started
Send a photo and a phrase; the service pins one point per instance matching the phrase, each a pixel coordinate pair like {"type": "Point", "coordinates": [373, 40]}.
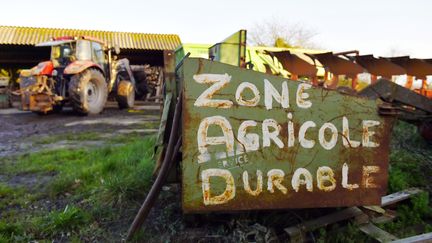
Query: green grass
{"type": "Point", "coordinates": [410, 215]}
{"type": "Point", "coordinates": [124, 138]}
{"type": "Point", "coordinates": [5, 190]}
{"type": "Point", "coordinates": [70, 219]}
{"type": "Point", "coordinates": [97, 189]}
{"type": "Point", "coordinates": [349, 234]}
{"type": "Point", "coordinates": [410, 166]}
{"type": "Point", "coordinates": [89, 188]}
{"type": "Point", "coordinates": [84, 136]}
{"type": "Point", "coordinates": [13, 196]}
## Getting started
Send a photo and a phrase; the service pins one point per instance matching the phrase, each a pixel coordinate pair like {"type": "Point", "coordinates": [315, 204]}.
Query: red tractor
{"type": "Point", "coordinates": [82, 72]}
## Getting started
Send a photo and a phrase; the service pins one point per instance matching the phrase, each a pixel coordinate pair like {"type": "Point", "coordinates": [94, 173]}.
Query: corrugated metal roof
{"type": "Point", "coordinates": [31, 36]}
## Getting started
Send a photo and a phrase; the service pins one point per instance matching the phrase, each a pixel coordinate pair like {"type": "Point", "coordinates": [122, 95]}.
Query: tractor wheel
{"type": "Point", "coordinates": [141, 87]}
{"type": "Point", "coordinates": [88, 92]}
{"type": "Point", "coordinates": [125, 94]}
{"type": "Point", "coordinates": [57, 108]}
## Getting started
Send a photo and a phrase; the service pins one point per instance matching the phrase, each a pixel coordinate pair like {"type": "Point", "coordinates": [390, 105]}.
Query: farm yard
{"type": "Point", "coordinates": [68, 178]}
{"type": "Point", "coordinates": [111, 133]}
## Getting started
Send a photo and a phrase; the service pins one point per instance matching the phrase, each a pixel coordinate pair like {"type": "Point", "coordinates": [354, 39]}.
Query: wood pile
{"type": "Point", "coordinates": [152, 76]}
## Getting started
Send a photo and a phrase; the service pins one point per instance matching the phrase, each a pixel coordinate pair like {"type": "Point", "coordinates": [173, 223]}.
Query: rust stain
{"type": "Point", "coordinates": [362, 182]}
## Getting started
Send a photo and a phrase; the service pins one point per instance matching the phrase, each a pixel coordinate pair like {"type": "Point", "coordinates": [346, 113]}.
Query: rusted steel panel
{"type": "Point", "coordinates": [413, 66]}
{"type": "Point", "coordinates": [338, 65]}
{"type": "Point", "coordinates": [308, 147]}
{"type": "Point", "coordinates": [294, 64]}
{"type": "Point", "coordinates": [379, 66]}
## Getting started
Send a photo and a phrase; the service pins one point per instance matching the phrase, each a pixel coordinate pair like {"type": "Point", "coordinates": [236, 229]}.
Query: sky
{"type": "Point", "coordinates": [380, 27]}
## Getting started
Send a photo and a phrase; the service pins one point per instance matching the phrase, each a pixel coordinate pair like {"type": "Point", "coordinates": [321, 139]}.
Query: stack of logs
{"type": "Point", "coordinates": [153, 77]}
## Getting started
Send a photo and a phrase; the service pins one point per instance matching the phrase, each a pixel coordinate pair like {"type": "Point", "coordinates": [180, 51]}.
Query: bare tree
{"type": "Point", "coordinates": [395, 52]}
{"type": "Point", "coordinates": [274, 32]}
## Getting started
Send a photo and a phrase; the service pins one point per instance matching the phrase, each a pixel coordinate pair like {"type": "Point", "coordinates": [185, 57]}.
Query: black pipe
{"type": "Point", "coordinates": [170, 156]}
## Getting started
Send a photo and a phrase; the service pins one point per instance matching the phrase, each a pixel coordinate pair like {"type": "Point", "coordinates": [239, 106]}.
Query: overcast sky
{"type": "Point", "coordinates": [380, 27]}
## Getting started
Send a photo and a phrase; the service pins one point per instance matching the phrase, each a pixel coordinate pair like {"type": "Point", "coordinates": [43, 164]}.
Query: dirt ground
{"type": "Point", "coordinates": [24, 132]}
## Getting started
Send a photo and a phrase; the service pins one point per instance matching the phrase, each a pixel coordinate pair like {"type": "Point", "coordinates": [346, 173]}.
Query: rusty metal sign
{"type": "Point", "coordinates": [256, 141]}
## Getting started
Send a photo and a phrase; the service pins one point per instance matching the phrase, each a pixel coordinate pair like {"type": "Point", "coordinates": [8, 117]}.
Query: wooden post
{"type": "Point", "coordinates": [373, 79]}
{"type": "Point", "coordinates": [354, 82]}
{"type": "Point", "coordinates": [314, 81]}
{"type": "Point", "coordinates": [423, 89]}
{"type": "Point", "coordinates": [159, 85]}
{"type": "Point", "coordinates": [409, 82]}
{"type": "Point", "coordinates": [334, 82]}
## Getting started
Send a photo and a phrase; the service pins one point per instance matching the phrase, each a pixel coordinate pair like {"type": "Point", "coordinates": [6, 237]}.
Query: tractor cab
{"type": "Point", "coordinates": [62, 53]}
{"type": "Point", "coordinates": [66, 50]}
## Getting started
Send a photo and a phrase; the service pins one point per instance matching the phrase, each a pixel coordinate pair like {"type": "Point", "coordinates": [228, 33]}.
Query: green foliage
{"type": "Point", "coordinates": [121, 171]}
{"type": "Point", "coordinates": [96, 183]}
{"type": "Point", "coordinates": [407, 158]}
{"type": "Point", "coordinates": [405, 171]}
{"type": "Point", "coordinates": [11, 196]}
{"type": "Point", "coordinates": [281, 43]}
{"type": "Point", "coordinates": [409, 167]}
{"type": "Point", "coordinates": [9, 230]}
{"type": "Point", "coordinates": [350, 233]}
{"type": "Point", "coordinates": [4, 239]}
{"type": "Point", "coordinates": [411, 215]}
{"type": "Point", "coordinates": [128, 174]}
{"type": "Point", "coordinates": [84, 136]}
{"type": "Point", "coordinates": [70, 219]}
{"type": "Point", "coordinates": [5, 190]}
{"type": "Point", "coordinates": [421, 205]}
{"type": "Point", "coordinates": [124, 138]}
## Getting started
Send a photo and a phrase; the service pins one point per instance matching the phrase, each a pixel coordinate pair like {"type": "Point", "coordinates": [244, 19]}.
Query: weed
{"type": "Point", "coordinates": [91, 181]}
{"type": "Point", "coordinates": [350, 233]}
{"type": "Point", "coordinates": [70, 219]}
{"type": "Point", "coordinates": [410, 215]}
{"type": "Point", "coordinates": [5, 190]}
{"type": "Point", "coordinates": [404, 171]}
{"type": "Point", "coordinates": [125, 138]}
{"type": "Point", "coordinates": [8, 230]}
{"type": "Point", "coordinates": [4, 239]}
{"type": "Point", "coordinates": [11, 196]}
{"type": "Point", "coordinates": [84, 136]}
{"type": "Point", "coordinates": [409, 167]}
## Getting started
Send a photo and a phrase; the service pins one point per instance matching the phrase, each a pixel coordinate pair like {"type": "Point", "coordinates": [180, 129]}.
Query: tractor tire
{"type": "Point", "coordinates": [88, 92]}
{"type": "Point", "coordinates": [141, 90]}
{"type": "Point", "coordinates": [125, 94]}
{"type": "Point", "coordinates": [57, 108]}
{"type": "Point", "coordinates": [140, 76]}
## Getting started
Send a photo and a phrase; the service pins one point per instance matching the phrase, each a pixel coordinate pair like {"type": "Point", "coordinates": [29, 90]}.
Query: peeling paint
{"type": "Point", "coordinates": [256, 141]}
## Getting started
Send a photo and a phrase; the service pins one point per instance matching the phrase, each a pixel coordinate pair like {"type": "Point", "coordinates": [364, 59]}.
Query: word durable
{"type": "Point", "coordinates": [325, 181]}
